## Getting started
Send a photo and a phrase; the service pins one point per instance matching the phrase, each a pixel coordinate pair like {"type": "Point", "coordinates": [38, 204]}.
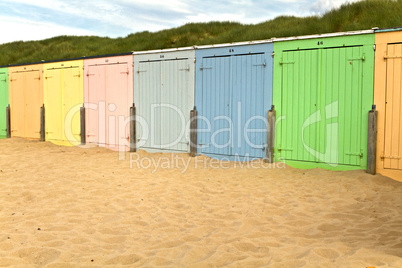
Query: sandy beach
{"type": "Point", "coordinates": [83, 207]}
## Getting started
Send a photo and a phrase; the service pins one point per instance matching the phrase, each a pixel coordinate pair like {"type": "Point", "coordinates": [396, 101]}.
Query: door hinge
{"type": "Point", "coordinates": [390, 157]}
{"type": "Point", "coordinates": [289, 62]}
{"type": "Point", "coordinates": [391, 57]}
{"type": "Point", "coordinates": [202, 68]}
{"type": "Point", "coordinates": [285, 149]}
{"type": "Point", "coordinates": [262, 64]}
{"type": "Point", "coordinates": [207, 144]}
{"type": "Point", "coordinates": [356, 154]}
{"type": "Point", "coordinates": [185, 69]}
{"type": "Point", "coordinates": [363, 58]}
{"type": "Point", "coordinates": [126, 72]}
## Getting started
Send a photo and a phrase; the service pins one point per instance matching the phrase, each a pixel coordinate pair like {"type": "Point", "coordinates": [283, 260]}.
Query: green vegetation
{"type": "Point", "coordinates": [356, 16]}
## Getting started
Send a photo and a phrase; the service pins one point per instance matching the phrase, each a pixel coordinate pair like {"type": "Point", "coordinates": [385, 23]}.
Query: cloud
{"type": "Point", "coordinates": [118, 18]}
{"type": "Point", "coordinates": [23, 29]}
{"type": "Point", "coordinates": [321, 6]}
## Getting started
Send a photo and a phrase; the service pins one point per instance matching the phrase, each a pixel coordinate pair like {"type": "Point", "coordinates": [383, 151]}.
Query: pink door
{"type": "Point", "coordinates": [94, 105]}
{"type": "Point", "coordinates": [108, 97]}
{"type": "Point", "coordinates": [118, 107]}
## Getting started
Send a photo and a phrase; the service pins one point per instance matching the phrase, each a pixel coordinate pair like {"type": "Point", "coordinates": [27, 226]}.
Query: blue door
{"type": "Point", "coordinates": [248, 111]}
{"type": "Point", "coordinates": [215, 124]}
{"type": "Point", "coordinates": [232, 116]}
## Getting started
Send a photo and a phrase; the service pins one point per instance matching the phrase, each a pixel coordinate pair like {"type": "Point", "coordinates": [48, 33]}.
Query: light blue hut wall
{"type": "Point", "coordinates": [164, 97]}
{"type": "Point", "coordinates": [233, 93]}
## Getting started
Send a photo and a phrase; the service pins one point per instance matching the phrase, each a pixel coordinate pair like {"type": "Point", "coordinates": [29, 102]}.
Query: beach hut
{"type": "Point", "coordinates": [26, 100]}
{"type": "Point", "coordinates": [108, 95]}
{"type": "Point", "coordinates": [323, 91]}
{"type": "Point", "coordinates": [233, 96]}
{"type": "Point", "coordinates": [164, 97]}
{"type": "Point", "coordinates": [388, 101]}
{"type": "Point", "coordinates": [63, 94]}
{"type": "Point", "coordinates": [3, 101]}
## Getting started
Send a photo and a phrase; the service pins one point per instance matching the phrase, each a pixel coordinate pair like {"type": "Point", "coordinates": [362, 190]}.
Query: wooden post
{"type": "Point", "coordinates": [270, 135]}
{"type": "Point", "coordinates": [8, 121]}
{"type": "Point", "coordinates": [133, 133]}
{"type": "Point", "coordinates": [193, 132]}
{"type": "Point", "coordinates": [372, 141]}
{"type": "Point", "coordinates": [82, 125]}
{"type": "Point", "coordinates": [42, 123]}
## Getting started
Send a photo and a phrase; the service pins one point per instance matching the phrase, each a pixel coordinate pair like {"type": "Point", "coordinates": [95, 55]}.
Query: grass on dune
{"type": "Point", "coordinates": [355, 16]}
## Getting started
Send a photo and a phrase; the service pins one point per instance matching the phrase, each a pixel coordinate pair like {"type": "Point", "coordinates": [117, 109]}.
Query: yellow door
{"type": "Point", "coordinates": [64, 95]}
{"type": "Point", "coordinates": [73, 95]}
{"type": "Point", "coordinates": [393, 109]}
{"type": "Point", "coordinates": [53, 100]}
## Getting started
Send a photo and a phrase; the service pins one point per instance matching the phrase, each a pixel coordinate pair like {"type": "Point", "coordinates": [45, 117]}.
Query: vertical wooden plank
{"type": "Point", "coordinates": [42, 123]}
{"type": "Point", "coordinates": [8, 121]}
{"type": "Point", "coordinates": [193, 132]}
{"type": "Point", "coordinates": [270, 135]}
{"type": "Point", "coordinates": [133, 147]}
{"type": "Point", "coordinates": [82, 125]}
{"type": "Point", "coordinates": [372, 141]}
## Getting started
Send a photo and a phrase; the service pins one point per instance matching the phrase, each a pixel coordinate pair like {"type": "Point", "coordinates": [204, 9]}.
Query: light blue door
{"type": "Point", "coordinates": [215, 125]}
{"type": "Point", "coordinates": [248, 111]}
{"type": "Point", "coordinates": [232, 119]}
{"type": "Point", "coordinates": [148, 104]}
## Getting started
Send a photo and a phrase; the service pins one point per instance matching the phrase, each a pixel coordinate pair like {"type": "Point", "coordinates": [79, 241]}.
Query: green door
{"type": "Point", "coordinates": [341, 106]}
{"type": "Point", "coordinates": [321, 119]}
{"type": "Point", "coordinates": [3, 101]}
{"type": "Point", "coordinates": [300, 86]}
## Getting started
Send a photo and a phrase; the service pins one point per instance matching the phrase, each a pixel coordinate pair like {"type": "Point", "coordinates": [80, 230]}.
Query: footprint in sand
{"type": "Point", "coordinates": [327, 253]}
{"type": "Point", "coordinates": [124, 259]}
{"type": "Point", "coordinates": [40, 256]}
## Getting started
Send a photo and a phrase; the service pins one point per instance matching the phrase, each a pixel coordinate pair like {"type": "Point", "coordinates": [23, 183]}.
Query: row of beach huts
{"type": "Point", "coordinates": [332, 101]}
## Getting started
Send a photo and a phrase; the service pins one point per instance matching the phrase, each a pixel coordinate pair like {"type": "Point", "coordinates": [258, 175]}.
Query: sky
{"type": "Point", "coordinates": [25, 20]}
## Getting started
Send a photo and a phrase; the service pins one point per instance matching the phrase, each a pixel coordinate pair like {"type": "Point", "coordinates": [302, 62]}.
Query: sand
{"type": "Point", "coordinates": [83, 207]}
